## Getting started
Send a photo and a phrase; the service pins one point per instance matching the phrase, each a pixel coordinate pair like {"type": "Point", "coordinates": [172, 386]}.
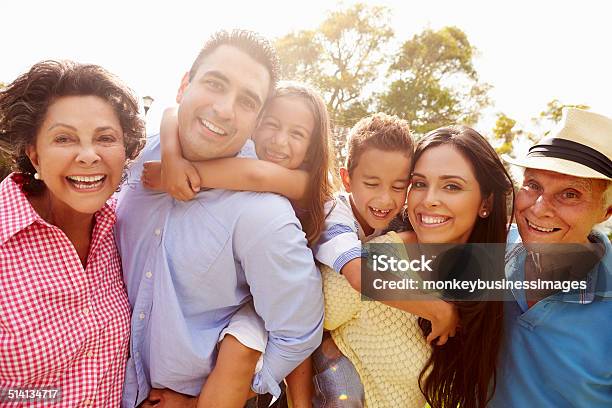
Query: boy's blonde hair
{"type": "Point", "coordinates": [379, 131]}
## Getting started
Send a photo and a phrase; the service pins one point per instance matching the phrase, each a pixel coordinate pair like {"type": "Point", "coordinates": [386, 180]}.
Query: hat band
{"type": "Point", "coordinates": [572, 151]}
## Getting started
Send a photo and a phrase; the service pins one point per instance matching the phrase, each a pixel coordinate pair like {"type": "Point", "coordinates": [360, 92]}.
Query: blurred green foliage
{"type": "Point", "coordinates": [436, 83]}
{"type": "Point", "coordinates": [341, 57]}
{"type": "Point", "coordinates": [429, 81]}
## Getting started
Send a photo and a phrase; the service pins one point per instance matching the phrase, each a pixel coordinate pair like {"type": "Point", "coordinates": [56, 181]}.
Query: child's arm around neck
{"type": "Point", "coordinates": [182, 178]}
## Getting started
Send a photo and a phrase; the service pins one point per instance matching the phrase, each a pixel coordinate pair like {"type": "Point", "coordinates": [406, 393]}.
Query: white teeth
{"type": "Point", "coordinates": [428, 219]}
{"type": "Point", "coordinates": [538, 228]}
{"type": "Point", "coordinates": [86, 182]}
{"type": "Point", "coordinates": [380, 213]}
{"type": "Point", "coordinates": [212, 127]}
{"type": "Point", "coordinates": [87, 186]}
{"type": "Point", "coordinates": [86, 179]}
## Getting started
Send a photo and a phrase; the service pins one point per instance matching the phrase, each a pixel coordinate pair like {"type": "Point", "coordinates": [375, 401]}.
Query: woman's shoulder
{"type": "Point", "coordinates": [408, 237]}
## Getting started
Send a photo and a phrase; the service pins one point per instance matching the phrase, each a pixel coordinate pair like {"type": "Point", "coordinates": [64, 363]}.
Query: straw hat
{"type": "Point", "coordinates": [581, 146]}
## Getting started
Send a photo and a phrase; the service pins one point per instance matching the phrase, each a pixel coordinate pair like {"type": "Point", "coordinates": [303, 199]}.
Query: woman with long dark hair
{"type": "Point", "coordinates": [459, 194]}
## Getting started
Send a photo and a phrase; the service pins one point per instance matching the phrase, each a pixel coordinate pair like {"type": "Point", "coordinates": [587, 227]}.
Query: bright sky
{"type": "Point", "coordinates": [531, 51]}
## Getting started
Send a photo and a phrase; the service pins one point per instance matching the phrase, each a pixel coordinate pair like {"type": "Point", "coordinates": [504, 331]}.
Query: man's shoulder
{"type": "Point", "coordinates": [260, 217]}
{"type": "Point", "coordinates": [257, 206]}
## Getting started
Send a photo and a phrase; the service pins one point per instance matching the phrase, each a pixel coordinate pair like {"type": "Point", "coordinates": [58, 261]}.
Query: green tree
{"type": "Point", "coordinates": [435, 82]}
{"type": "Point", "coordinates": [503, 132]}
{"type": "Point", "coordinates": [341, 58]}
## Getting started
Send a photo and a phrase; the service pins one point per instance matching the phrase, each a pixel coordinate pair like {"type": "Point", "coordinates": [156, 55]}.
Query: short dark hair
{"type": "Point", "coordinates": [379, 131]}
{"type": "Point", "coordinates": [24, 104]}
{"type": "Point", "coordinates": [249, 42]}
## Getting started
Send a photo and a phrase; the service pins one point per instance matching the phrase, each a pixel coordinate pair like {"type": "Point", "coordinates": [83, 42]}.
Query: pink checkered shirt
{"type": "Point", "coordinates": [60, 325]}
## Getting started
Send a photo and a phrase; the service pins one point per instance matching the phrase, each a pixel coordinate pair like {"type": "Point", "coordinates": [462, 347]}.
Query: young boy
{"type": "Point", "coordinates": [376, 178]}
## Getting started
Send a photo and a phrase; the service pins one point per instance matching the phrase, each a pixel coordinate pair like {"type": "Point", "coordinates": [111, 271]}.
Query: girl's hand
{"type": "Point", "coordinates": [180, 178]}
{"type": "Point", "coordinates": [151, 176]}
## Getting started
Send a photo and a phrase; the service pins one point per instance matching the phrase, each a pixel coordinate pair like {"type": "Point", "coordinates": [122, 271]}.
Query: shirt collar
{"type": "Point", "coordinates": [17, 213]}
{"type": "Point", "coordinates": [603, 278]}
{"type": "Point", "coordinates": [598, 280]}
{"type": "Point", "coordinates": [346, 198]}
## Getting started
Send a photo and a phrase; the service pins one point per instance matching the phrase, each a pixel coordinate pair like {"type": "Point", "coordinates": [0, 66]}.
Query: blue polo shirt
{"type": "Point", "coordinates": [558, 353]}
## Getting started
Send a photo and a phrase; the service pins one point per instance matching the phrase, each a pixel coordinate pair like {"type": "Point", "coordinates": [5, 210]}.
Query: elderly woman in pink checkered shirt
{"type": "Point", "coordinates": [69, 129]}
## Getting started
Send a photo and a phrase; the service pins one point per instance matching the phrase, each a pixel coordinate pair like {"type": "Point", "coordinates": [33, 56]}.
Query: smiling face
{"type": "Point", "coordinates": [378, 187]}
{"type": "Point", "coordinates": [79, 153]}
{"type": "Point", "coordinates": [556, 208]}
{"type": "Point", "coordinates": [444, 199]}
{"type": "Point", "coordinates": [285, 132]}
{"type": "Point", "coordinates": [218, 107]}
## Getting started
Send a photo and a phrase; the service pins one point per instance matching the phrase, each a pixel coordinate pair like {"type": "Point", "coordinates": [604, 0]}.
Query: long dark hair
{"type": "Point", "coordinates": [460, 372]}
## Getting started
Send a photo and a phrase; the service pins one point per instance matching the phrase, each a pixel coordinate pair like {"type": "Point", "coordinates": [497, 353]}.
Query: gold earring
{"type": "Point", "coordinates": [484, 213]}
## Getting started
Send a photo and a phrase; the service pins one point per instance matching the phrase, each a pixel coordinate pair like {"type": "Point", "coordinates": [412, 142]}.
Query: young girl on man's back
{"type": "Point", "coordinates": [292, 143]}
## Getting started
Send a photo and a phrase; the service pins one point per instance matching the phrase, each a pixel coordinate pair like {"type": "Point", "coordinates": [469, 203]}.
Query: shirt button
{"type": "Point", "coordinates": [141, 316]}
{"type": "Point", "coordinates": [90, 354]}
{"type": "Point", "coordinates": [157, 231]}
{"type": "Point", "coordinates": [148, 274]}
{"type": "Point", "coordinates": [86, 311]}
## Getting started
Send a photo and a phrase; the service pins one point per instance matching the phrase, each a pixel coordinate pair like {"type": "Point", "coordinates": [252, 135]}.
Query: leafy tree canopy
{"type": "Point", "coordinates": [340, 57]}
{"type": "Point", "coordinates": [435, 82]}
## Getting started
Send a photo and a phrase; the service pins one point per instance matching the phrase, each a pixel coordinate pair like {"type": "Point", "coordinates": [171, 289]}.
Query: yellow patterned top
{"type": "Point", "coordinates": [385, 344]}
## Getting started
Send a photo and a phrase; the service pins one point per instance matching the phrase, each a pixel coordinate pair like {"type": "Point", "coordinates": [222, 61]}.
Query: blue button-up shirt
{"type": "Point", "coordinates": [189, 266]}
{"type": "Point", "coordinates": [558, 353]}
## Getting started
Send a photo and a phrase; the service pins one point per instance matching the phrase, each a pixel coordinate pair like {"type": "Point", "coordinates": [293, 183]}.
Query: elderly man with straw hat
{"type": "Point", "coordinates": [558, 343]}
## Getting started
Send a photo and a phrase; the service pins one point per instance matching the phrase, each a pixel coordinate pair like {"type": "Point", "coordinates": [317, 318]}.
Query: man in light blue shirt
{"type": "Point", "coordinates": [189, 266]}
{"type": "Point", "coordinates": [557, 349]}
